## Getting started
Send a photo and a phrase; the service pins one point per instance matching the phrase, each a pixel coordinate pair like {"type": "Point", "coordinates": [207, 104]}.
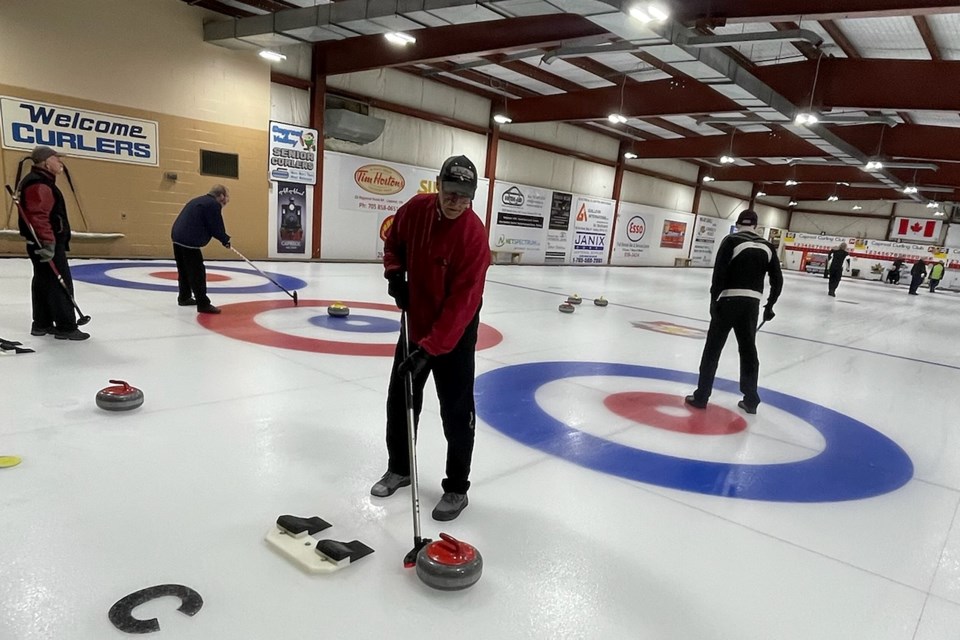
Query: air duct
{"type": "Point", "coordinates": [342, 124]}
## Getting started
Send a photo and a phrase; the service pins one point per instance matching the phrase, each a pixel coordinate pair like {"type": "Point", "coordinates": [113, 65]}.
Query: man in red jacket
{"type": "Point", "coordinates": [46, 213]}
{"type": "Point", "coordinates": [435, 259]}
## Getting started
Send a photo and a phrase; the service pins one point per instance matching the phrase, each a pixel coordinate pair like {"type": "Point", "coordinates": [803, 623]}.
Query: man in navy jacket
{"type": "Point", "coordinates": [199, 221]}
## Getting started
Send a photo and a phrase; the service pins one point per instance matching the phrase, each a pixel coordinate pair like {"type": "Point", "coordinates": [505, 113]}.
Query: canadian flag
{"type": "Point", "coordinates": [917, 229]}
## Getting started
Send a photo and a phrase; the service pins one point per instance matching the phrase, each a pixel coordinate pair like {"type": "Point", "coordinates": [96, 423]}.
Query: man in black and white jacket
{"type": "Point", "coordinates": [743, 260]}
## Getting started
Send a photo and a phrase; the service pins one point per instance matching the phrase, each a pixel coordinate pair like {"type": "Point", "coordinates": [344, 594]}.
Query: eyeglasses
{"type": "Point", "coordinates": [455, 198]}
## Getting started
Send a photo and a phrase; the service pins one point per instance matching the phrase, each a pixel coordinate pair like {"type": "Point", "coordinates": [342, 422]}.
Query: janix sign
{"type": "Point", "coordinates": [78, 132]}
{"type": "Point", "coordinates": [293, 153]}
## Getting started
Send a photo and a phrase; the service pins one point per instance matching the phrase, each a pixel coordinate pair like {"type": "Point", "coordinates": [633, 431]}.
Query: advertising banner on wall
{"type": "Point", "coordinates": [520, 219]}
{"type": "Point", "coordinates": [651, 236]}
{"type": "Point", "coordinates": [289, 220]}
{"type": "Point", "coordinates": [360, 197]}
{"type": "Point", "coordinates": [78, 132]}
{"type": "Point", "coordinates": [292, 153]}
{"type": "Point", "coordinates": [291, 207]}
{"type": "Point", "coordinates": [591, 227]}
{"type": "Point", "coordinates": [705, 241]}
{"type": "Point", "coordinates": [558, 228]}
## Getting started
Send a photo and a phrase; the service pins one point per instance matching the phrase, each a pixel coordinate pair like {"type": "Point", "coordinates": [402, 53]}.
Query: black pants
{"type": "Point", "coordinates": [191, 275]}
{"type": "Point", "coordinates": [834, 281]}
{"type": "Point", "coordinates": [915, 283]}
{"type": "Point", "coordinates": [453, 375]}
{"type": "Point", "coordinates": [51, 304]}
{"type": "Point", "coordinates": [933, 285]}
{"type": "Point", "coordinates": [739, 314]}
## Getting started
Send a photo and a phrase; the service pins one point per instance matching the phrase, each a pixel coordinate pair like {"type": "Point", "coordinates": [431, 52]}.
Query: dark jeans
{"type": "Point", "coordinates": [834, 281]}
{"type": "Point", "coordinates": [51, 304]}
{"type": "Point", "coordinates": [191, 275]}
{"type": "Point", "coordinates": [915, 283]}
{"type": "Point", "coordinates": [933, 285]}
{"type": "Point", "coordinates": [453, 375]}
{"type": "Point", "coordinates": [739, 314]}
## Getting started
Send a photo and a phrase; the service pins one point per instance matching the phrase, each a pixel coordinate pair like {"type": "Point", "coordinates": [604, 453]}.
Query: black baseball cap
{"type": "Point", "coordinates": [747, 218]}
{"type": "Point", "coordinates": [459, 175]}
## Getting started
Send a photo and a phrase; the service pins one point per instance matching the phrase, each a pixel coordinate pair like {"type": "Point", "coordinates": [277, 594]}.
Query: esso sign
{"type": "Point", "coordinates": [636, 227]}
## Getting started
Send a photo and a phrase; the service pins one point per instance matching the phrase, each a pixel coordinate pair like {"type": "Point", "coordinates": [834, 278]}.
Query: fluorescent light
{"type": "Point", "coordinates": [939, 213]}
{"type": "Point", "coordinates": [616, 118]}
{"type": "Point", "coordinates": [833, 198]}
{"type": "Point", "coordinates": [931, 205]}
{"type": "Point", "coordinates": [805, 119]}
{"type": "Point", "coordinates": [844, 184]}
{"type": "Point", "coordinates": [502, 119]}
{"type": "Point", "coordinates": [639, 13]}
{"type": "Point", "coordinates": [760, 194]}
{"type": "Point", "coordinates": [792, 203]}
{"type": "Point", "coordinates": [857, 207]}
{"type": "Point", "coordinates": [399, 38]}
{"type": "Point", "coordinates": [658, 12]}
{"type": "Point", "coordinates": [708, 178]}
{"type": "Point", "coordinates": [727, 159]}
{"type": "Point", "coordinates": [874, 165]}
{"type": "Point", "coordinates": [792, 183]}
{"type": "Point", "coordinates": [909, 189]}
{"type": "Point", "coordinates": [272, 56]}
{"type": "Point", "coordinates": [630, 155]}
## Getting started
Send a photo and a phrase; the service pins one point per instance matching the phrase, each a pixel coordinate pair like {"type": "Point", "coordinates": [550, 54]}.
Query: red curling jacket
{"type": "Point", "coordinates": [446, 263]}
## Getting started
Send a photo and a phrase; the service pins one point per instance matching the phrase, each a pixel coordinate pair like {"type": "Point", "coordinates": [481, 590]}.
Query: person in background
{"type": "Point", "coordinates": [936, 275]}
{"type": "Point", "coordinates": [744, 259]}
{"type": "Point", "coordinates": [435, 260]}
{"type": "Point", "coordinates": [200, 220]}
{"type": "Point", "coordinates": [834, 270]}
{"type": "Point", "coordinates": [43, 206]}
{"type": "Point", "coordinates": [893, 276]}
{"type": "Point", "coordinates": [917, 274]}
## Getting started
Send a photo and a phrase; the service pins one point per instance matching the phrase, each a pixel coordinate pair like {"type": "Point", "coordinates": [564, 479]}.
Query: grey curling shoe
{"type": "Point", "coordinates": [450, 506]}
{"type": "Point", "coordinates": [388, 484]}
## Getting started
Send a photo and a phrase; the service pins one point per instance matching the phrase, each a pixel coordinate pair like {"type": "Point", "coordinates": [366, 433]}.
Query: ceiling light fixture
{"type": "Point", "coordinates": [616, 118]}
{"type": "Point", "coordinates": [792, 183]}
{"type": "Point", "coordinates": [502, 119]}
{"type": "Point", "coordinates": [931, 205]}
{"type": "Point", "coordinates": [909, 189]}
{"type": "Point", "coordinates": [939, 213]}
{"type": "Point", "coordinates": [727, 159]}
{"type": "Point", "coordinates": [804, 119]}
{"type": "Point", "coordinates": [857, 207]}
{"type": "Point", "coordinates": [792, 203]}
{"type": "Point", "coordinates": [272, 56]}
{"type": "Point", "coordinates": [761, 193]}
{"type": "Point", "coordinates": [873, 165]}
{"type": "Point", "coordinates": [647, 12]}
{"type": "Point", "coordinates": [708, 178]}
{"type": "Point", "coordinates": [833, 198]}
{"type": "Point", "coordinates": [399, 38]}
{"type": "Point", "coordinates": [630, 155]}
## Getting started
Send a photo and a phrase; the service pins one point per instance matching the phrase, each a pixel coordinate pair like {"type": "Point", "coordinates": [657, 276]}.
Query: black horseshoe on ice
{"type": "Point", "coordinates": [120, 613]}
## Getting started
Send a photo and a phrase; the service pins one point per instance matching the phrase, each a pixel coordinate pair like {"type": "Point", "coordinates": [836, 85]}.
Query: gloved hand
{"type": "Point", "coordinates": [45, 253]}
{"type": "Point", "coordinates": [398, 289]}
{"type": "Point", "coordinates": [226, 244]}
{"type": "Point", "coordinates": [768, 313]}
{"type": "Point", "coordinates": [415, 363]}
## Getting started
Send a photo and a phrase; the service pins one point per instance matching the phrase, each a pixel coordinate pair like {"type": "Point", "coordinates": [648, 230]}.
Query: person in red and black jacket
{"type": "Point", "coordinates": [45, 209]}
{"type": "Point", "coordinates": [435, 260]}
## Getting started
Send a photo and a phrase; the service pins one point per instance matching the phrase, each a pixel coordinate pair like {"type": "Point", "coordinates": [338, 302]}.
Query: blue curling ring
{"type": "Point", "coordinates": [357, 323]}
{"type": "Point", "coordinates": [96, 273]}
{"type": "Point", "coordinates": [858, 461]}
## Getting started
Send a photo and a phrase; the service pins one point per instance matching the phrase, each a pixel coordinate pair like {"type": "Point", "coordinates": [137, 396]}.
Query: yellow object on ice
{"type": "Point", "coordinates": [9, 461]}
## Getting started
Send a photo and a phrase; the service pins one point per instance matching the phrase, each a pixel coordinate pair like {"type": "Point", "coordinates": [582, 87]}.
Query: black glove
{"type": "Point", "coordinates": [45, 253]}
{"type": "Point", "coordinates": [226, 244]}
{"type": "Point", "coordinates": [398, 289]}
{"type": "Point", "coordinates": [768, 313]}
{"type": "Point", "coordinates": [415, 363]}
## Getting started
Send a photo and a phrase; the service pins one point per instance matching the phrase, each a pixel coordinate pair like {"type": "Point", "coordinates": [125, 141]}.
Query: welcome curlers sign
{"type": "Point", "coordinates": [78, 132]}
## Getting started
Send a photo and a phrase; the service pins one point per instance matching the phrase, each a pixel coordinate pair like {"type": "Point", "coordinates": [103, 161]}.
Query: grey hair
{"type": "Point", "coordinates": [217, 190]}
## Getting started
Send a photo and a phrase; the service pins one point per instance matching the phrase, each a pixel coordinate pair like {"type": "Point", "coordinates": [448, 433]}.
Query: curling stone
{"type": "Point", "coordinates": [121, 397]}
{"type": "Point", "coordinates": [338, 310]}
{"type": "Point", "coordinates": [9, 461]}
{"type": "Point", "coordinates": [449, 564]}
{"type": "Point", "coordinates": [566, 307]}
{"type": "Point", "coordinates": [575, 299]}
{"type": "Point", "coordinates": [601, 301]}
